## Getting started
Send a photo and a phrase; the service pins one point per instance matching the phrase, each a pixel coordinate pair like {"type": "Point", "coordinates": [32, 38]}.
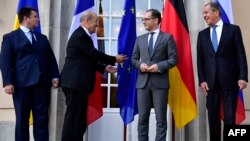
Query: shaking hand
{"type": "Point", "coordinates": [120, 58]}
{"type": "Point", "coordinates": [111, 69]}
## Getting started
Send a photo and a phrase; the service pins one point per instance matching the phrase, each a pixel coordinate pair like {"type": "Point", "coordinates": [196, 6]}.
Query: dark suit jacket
{"type": "Point", "coordinates": [22, 64]}
{"type": "Point", "coordinates": [82, 61]}
{"type": "Point", "coordinates": [164, 55]}
{"type": "Point", "coordinates": [229, 62]}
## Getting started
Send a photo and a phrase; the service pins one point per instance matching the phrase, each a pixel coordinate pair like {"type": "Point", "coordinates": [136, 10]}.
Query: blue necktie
{"type": "Point", "coordinates": [214, 38]}
{"type": "Point", "coordinates": [33, 38]}
{"type": "Point", "coordinates": [150, 44]}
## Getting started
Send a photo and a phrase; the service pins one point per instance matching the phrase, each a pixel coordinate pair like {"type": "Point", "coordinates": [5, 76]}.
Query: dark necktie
{"type": "Point", "coordinates": [214, 38]}
{"type": "Point", "coordinates": [33, 39]}
{"type": "Point", "coordinates": [151, 43]}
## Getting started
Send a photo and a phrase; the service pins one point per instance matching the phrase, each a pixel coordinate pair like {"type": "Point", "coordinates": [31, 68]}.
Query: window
{"type": "Point", "coordinates": [110, 14]}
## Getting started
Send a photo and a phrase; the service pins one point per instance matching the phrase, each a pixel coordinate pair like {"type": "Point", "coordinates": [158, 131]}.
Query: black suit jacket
{"type": "Point", "coordinates": [22, 64]}
{"type": "Point", "coordinates": [229, 62]}
{"type": "Point", "coordinates": [82, 61]}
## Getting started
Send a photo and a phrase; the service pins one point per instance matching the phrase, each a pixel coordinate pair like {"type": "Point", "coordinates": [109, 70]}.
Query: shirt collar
{"type": "Point", "coordinates": [156, 31]}
{"type": "Point", "coordinates": [24, 29]}
{"type": "Point", "coordinates": [219, 23]}
{"type": "Point", "coordinates": [86, 30]}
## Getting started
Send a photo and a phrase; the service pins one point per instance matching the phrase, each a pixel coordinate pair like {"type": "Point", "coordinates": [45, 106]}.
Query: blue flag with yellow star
{"type": "Point", "coordinates": [127, 74]}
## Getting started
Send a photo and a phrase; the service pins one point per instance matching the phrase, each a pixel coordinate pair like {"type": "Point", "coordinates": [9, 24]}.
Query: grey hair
{"type": "Point", "coordinates": [87, 16]}
{"type": "Point", "coordinates": [214, 7]}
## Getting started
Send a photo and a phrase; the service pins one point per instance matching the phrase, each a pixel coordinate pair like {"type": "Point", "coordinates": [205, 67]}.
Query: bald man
{"type": "Point", "coordinates": [78, 75]}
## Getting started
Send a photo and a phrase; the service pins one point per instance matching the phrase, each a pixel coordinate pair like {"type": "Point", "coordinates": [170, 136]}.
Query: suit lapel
{"type": "Point", "coordinates": [24, 39]}
{"type": "Point", "coordinates": [84, 33]}
{"type": "Point", "coordinates": [145, 44]}
{"type": "Point", "coordinates": [223, 36]}
{"type": "Point", "coordinates": [22, 36]}
{"type": "Point", "coordinates": [157, 42]}
{"type": "Point", "coordinates": [38, 39]}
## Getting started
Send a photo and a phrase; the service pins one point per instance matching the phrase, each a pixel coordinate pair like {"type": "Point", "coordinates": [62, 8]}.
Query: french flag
{"type": "Point", "coordinates": [94, 110]}
{"type": "Point", "coordinates": [227, 17]}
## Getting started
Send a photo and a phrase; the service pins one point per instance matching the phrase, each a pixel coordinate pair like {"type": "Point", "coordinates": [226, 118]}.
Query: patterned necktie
{"type": "Point", "coordinates": [33, 39]}
{"type": "Point", "coordinates": [214, 38]}
{"type": "Point", "coordinates": [150, 44]}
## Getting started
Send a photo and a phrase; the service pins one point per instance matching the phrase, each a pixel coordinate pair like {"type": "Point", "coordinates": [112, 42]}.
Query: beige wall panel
{"type": "Point", "coordinates": [7, 16]}
{"type": "Point", "coordinates": [241, 18]}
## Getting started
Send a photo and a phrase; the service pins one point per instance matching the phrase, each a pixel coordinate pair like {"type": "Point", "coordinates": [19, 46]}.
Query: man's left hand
{"type": "Point", "coordinates": [153, 68]}
{"type": "Point", "coordinates": [55, 83]}
{"type": "Point", "coordinates": [242, 84]}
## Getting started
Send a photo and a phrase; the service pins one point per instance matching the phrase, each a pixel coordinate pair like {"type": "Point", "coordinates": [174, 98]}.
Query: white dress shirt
{"type": "Point", "coordinates": [155, 35]}
{"type": "Point", "coordinates": [218, 29]}
{"type": "Point", "coordinates": [27, 33]}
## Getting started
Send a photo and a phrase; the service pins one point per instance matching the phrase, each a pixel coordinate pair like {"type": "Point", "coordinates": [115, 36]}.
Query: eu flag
{"type": "Point", "coordinates": [127, 75]}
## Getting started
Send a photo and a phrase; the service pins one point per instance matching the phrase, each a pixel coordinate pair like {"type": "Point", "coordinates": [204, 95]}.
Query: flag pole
{"type": "Point", "coordinates": [125, 132]}
{"type": "Point", "coordinates": [173, 128]}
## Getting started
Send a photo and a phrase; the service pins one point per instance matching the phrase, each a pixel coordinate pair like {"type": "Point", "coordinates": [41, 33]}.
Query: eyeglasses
{"type": "Point", "coordinates": [146, 19]}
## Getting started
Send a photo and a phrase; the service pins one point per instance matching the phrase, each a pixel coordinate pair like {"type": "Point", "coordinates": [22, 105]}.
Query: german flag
{"type": "Point", "coordinates": [182, 97]}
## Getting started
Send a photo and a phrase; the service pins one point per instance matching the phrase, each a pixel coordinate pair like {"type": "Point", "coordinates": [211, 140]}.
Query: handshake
{"type": "Point", "coordinates": [119, 59]}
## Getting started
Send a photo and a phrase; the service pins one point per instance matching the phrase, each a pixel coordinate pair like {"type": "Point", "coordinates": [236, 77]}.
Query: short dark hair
{"type": "Point", "coordinates": [155, 14]}
{"type": "Point", "coordinates": [25, 11]}
{"type": "Point", "coordinates": [215, 6]}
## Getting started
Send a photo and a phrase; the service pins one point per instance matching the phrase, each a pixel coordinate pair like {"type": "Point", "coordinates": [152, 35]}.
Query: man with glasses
{"type": "Point", "coordinates": [154, 54]}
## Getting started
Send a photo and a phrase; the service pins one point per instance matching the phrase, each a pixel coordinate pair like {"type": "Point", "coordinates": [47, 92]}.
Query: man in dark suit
{"type": "Point", "coordinates": [222, 68]}
{"type": "Point", "coordinates": [154, 54]}
{"type": "Point", "coordinates": [78, 75]}
{"type": "Point", "coordinates": [29, 69]}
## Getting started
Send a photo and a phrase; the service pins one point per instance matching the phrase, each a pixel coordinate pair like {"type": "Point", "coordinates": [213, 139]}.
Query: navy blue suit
{"type": "Point", "coordinates": [221, 70]}
{"type": "Point", "coordinates": [31, 70]}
